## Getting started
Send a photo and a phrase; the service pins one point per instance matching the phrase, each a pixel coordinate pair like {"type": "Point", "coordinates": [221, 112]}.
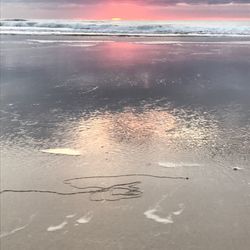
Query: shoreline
{"type": "Point", "coordinates": [134, 38]}
{"type": "Point", "coordinates": [125, 35]}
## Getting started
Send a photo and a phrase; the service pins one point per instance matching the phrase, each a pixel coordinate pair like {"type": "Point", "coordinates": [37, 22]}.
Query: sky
{"type": "Point", "coordinates": [127, 9]}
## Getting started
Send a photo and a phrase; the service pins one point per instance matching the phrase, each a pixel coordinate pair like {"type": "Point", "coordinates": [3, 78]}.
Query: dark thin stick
{"type": "Point", "coordinates": [121, 191]}
{"type": "Point", "coordinates": [127, 175]}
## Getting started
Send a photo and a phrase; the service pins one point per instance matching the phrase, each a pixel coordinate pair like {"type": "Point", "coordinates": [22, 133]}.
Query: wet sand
{"type": "Point", "coordinates": [125, 143]}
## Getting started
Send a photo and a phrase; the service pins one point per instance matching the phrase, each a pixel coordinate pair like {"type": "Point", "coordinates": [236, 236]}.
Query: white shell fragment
{"type": "Point", "coordinates": [62, 151]}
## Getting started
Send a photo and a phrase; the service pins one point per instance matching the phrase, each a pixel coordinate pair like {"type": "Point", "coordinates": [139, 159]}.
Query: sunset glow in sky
{"type": "Point", "coordinates": [126, 9]}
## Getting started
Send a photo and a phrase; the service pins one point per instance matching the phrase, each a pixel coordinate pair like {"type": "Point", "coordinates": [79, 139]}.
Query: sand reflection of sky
{"type": "Point", "coordinates": [125, 53]}
{"type": "Point", "coordinates": [134, 128]}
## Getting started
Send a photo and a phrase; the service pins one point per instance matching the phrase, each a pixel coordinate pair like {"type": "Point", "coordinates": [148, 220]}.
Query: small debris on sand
{"type": "Point", "coordinates": [237, 168]}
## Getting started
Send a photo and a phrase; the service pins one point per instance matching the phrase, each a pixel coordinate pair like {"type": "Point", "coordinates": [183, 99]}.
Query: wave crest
{"type": "Point", "coordinates": [193, 28]}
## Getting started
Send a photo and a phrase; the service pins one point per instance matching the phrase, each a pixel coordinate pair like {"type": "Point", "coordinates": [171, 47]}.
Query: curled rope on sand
{"type": "Point", "coordinates": [120, 191]}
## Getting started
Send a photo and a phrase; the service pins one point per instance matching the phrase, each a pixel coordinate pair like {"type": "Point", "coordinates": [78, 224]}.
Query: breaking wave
{"type": "Point", "coordinates": [129, 28]}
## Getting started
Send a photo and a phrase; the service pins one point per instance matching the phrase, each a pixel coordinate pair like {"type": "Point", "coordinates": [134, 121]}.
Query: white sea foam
{"type": "Point", "coordinates": [194, 42]}
{"type": "Point", "coordinates": [68, 41]}
{"type": "Point", "coordinates": [178, 212]}
{"type": "Point", "coordinates": [151, 214]}
{"type": "Point", "coordinates": [91, 90]}
{"type": "Point", "coordinates": [57, 227]}
{"type": "Point", "coordinates": [65, 43]}
{"type": "Point", "coordinates": [159, 28]}
{"type": "Point", "coordinates": [70, 216]}
{"type": "Point", "coordinates": [178, 164]}
{"type": "Point", "coordinates": [4, 234]}
{"type": "Point", "coordinates": [82, 45]}
{"type": "Point", "coordinates": [85, 219]}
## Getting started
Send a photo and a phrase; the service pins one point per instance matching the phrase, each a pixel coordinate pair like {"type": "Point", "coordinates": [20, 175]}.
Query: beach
{"type": "Point", "coordinates": [125, 142]}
